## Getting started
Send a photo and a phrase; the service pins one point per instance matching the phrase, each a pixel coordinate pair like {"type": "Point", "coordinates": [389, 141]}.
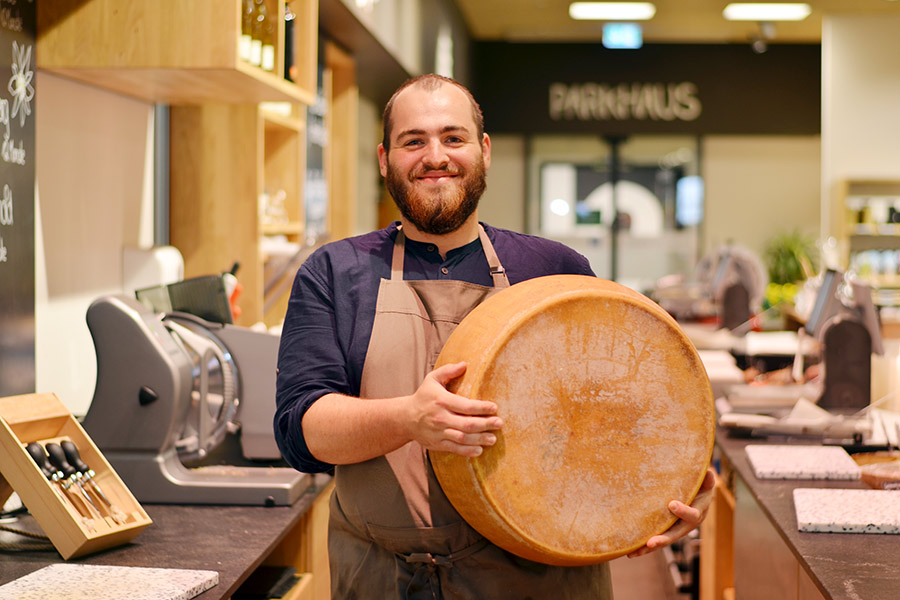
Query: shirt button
{"type": "Point", "coordinates": [431, 248]}
{"type": "Point", "coordinates": [445, 270]}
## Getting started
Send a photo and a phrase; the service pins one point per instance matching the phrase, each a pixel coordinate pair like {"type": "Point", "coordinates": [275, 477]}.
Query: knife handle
{"type": "Point", "coordinates": [58, 458]}
{"type": "Point", "coordinates": [74, 458]}
{"type": "Point", "coordinates": [36, 451]}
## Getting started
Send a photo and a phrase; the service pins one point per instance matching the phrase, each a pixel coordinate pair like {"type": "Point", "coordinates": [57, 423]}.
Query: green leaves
{"type": "Point", "coordinates": [788, 257]}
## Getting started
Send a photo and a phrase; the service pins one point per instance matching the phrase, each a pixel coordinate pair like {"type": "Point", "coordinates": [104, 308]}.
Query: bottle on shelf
{"type": "Point", "coordinates": [264, 37]}
{"type": "Point", "coordinates": [248, 13]}
{"type": "Point", "coordinates": [256, 32]}
{"type": "Point", "coordinates": [289, 67]}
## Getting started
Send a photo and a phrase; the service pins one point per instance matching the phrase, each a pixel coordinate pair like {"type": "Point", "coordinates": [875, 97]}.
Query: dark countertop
{"type": "Point", "coordinates": [232, 540]}
{"type": "Point", "coordinates": [851, 566]}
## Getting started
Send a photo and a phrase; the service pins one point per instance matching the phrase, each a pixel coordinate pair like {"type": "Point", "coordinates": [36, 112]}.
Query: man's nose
{"type": "Point", "coordinates": [435, 156]}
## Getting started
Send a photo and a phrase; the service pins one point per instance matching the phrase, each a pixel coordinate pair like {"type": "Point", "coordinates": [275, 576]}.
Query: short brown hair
{"type": "Point", "coordinates": [430, 82]}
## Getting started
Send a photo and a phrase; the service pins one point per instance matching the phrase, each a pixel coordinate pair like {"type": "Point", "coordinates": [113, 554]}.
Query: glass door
{"type": "Point", "coordinates": [633, 206]}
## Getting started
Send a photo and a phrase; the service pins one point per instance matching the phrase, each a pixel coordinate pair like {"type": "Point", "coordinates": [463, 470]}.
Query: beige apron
{"type": "Point", "coordinates": [392, 531]}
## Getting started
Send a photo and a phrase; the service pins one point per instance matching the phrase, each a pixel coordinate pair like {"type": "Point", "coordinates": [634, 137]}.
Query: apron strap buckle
{"type": "Point", "coordinates": [429, 559]}
{"type": "Point", "coordinates": [437, 560]}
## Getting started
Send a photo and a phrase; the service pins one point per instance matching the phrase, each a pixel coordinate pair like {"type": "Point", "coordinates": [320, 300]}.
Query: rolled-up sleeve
{"type": "Point", "coordinates": [311, 363]}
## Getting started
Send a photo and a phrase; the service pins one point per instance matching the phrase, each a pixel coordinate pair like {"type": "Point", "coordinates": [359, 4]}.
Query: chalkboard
{"type": "Point", "coordinates": [17, 114]}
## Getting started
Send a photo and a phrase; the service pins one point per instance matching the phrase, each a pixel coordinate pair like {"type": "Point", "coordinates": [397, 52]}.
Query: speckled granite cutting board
{"type": "Point", "coordinates": [801, 462]}
{"type": "Point", "coordinates": [847, 511]}
{"type": "Point", "coordinates": [99, 582]}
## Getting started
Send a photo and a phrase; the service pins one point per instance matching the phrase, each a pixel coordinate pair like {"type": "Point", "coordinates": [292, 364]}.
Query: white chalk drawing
{"type": "Point", "coordinates": [6, 206]}
{"type": "Point", "coordinates": [2, 251]}
{"type": "Point", "coordinates": [20, 83]}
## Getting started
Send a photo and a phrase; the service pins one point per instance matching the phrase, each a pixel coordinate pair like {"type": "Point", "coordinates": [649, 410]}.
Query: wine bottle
{"type": "Point", "coordinates": [289, 68]}
{"type": "Point", "coordinates": [268, 39]}
{"type": "Point", "coordinates": [265, 34]}
{"type": "Point", "coordinates": [247, 13]}
{"type": "Point", "coordinates": [259, 16]}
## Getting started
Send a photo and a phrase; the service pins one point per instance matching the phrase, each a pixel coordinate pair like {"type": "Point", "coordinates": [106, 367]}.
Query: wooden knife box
{"type": "Point", "coordinates": [74, 526]}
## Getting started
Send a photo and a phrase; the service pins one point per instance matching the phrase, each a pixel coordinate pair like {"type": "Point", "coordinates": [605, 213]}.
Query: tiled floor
{"type": "Point", "coordinates": [643, 578]}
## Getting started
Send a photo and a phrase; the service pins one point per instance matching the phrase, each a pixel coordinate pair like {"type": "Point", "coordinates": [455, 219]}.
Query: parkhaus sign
{"type": "Point", "coordinates": [634, 101]}
{"type": "Point", "coordinates": [661, 88]}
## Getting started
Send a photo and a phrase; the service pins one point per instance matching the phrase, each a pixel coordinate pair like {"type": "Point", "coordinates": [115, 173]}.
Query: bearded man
{"type": "Point", "coordinates": [357, 392]}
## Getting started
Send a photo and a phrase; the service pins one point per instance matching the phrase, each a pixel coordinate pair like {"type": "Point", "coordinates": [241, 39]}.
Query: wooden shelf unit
{"type": "Point", "coordinates": [223, 158]}
{"type": "Point", "coordinates": [870, 209]}
{"type": "Point", "coordinates": [173, 51]}
{"type": "Point", "coordinates": [225, 150]}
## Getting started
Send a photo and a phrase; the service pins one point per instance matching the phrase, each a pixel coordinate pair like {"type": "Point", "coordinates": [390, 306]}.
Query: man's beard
{"type": "Point", "coordinates": [437, 211]}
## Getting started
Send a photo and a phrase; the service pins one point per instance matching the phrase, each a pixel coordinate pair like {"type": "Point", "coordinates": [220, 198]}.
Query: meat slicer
{"type": "Point", "coordinates": [183, 407]}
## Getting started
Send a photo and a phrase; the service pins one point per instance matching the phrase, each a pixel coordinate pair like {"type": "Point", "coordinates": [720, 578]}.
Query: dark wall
{"type": "Point", "coordinates": [17, 114]}
{"type": "Point", "coordinates": [660, 88]}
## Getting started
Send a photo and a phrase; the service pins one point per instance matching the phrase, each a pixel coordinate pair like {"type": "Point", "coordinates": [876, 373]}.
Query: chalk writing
{"type": "Point", "coordinates": [6, 206]}
{"type": "Point", "coordinates": [10, 21]}
{"type": "Point", "coordinates": [8, 151]}
{"type": "Point", "coordinates": [2, 251]}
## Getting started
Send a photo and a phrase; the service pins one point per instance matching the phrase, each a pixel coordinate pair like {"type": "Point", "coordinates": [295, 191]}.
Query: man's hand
{"type": "Point", "coordinates": [442, 420]}
{"type": "Point", "coordinates": [689, 517]}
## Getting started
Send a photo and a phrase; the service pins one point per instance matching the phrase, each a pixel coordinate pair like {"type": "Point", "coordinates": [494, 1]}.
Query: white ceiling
{"type": "Point", "coordinates": [676, 21]}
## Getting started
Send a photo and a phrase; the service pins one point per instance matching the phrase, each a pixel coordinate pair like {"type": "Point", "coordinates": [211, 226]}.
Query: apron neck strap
{"type": "Point", "coordinates": [498, 273]}
{"type": "Point", "coordinates": [397, 258]}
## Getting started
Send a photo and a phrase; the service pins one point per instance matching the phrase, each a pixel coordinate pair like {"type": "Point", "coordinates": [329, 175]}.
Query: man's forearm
{"type": "Point", "coordinates": [344, 430]}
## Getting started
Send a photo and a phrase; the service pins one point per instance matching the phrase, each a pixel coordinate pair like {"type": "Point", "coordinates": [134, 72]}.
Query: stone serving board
{"type": "Point", "coordinates": [100, 582]}
{"type": "Point", "coordinates": [801, 462]}
{"type": "Point", "coordinates": [847, 511]}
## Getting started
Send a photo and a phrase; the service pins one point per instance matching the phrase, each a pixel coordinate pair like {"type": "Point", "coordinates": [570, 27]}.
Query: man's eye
{"type": "Point", "coordinates": [412, 143]}
{"type": "Point", "coordinates": [454, 140]}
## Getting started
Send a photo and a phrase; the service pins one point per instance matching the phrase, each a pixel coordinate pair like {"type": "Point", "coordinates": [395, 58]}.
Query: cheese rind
{"type": "Point", "coordinates": [608, 415]}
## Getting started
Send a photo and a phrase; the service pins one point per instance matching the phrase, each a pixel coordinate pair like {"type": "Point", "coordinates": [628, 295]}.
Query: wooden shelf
{"type": "Point", "coordinates": [291, 228]}
{"type": "Point", "coordinates": [865, 207]}
{"type": "Point", "coordinates": [170, 51]}
{"type": "Point", "coordinates": [236, 153]}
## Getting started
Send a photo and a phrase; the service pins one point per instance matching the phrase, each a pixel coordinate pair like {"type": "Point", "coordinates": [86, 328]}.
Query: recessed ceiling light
{"type": "Point", "coordinates": [766, 11]}
{"type": "Point", "coordinates": [612, 11]}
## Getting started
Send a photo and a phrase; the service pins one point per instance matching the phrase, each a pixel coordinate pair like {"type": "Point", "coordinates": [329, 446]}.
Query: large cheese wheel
{"type": "Point", "coordinates": [608, 415]}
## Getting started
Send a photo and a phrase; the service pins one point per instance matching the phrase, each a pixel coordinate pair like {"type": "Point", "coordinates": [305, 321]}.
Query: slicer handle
{"type": "Point", "coordinates": [40, 457]}
{"type": "Point", "coordinates": [74, 458]}
{"type": "Point", "coordinates": [58, 458]}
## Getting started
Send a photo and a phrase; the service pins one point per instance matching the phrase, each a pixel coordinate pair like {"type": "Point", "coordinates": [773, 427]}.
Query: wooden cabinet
{"type": "Point", "coordinates": [173, 51]}
{"type": "Point", "coordinates": [306, 548]}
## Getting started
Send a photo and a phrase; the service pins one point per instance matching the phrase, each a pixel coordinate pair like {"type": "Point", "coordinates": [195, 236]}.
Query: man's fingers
{"type": "Point", "coordinates": [691, 514]}
{"type": "Point", "coordinates": [689, 517]}
{"type": "Point", "coordinates": [447, 373]}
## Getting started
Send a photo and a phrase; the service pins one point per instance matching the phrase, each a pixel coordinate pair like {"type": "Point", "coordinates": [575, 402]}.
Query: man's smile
{"type": "Point", "coordinates": [436, 177]}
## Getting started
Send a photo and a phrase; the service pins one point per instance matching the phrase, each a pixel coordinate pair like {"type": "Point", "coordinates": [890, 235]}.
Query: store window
{"type": "Point", "coordinates": [633, 206]}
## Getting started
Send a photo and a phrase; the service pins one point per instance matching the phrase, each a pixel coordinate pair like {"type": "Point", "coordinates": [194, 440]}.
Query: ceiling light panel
{"type": "Point", "coordinates": [612, 11]}
{"type": "Point", "coordinates": [766, 11]}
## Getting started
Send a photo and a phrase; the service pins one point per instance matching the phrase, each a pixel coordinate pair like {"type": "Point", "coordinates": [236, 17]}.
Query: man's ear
{"type": "Point", "coordinates": [382, 160]}
{"type": "Point", "coordinates": [486, 150]}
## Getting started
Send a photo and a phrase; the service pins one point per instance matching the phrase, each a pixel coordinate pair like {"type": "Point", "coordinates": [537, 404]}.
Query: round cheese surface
{"type": "Point", "coordinates": [608, 416]}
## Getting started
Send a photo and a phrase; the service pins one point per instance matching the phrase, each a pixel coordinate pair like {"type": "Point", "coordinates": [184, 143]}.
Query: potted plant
{"type": "Point", "coordinates": [788, 257]}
